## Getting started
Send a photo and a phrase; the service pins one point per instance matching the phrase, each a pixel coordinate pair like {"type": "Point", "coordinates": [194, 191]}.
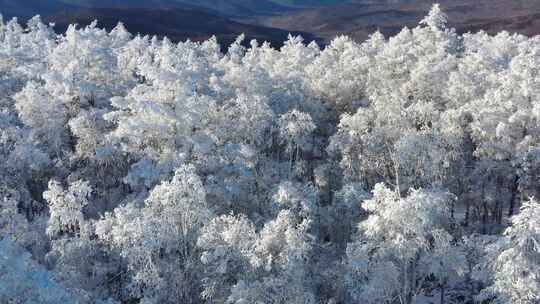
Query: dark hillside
{"type": "Point", "coordinates": [27, 8]}
{"type": "Point", "coordinates": [360, 18]}
{"type": "Point", "coordinates": [177, 24]}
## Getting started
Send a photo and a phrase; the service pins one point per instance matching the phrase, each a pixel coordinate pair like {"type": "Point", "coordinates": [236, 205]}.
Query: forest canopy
{"type": "Point", "coordinates": [401, 169]}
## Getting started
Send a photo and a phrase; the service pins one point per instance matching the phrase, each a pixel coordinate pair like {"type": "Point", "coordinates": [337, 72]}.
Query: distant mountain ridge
{"type": "Point", "coordinates": [179, 20]}
{"type": "Point", "coordinates": [359, 18]}
{"type": "Point", "coordinates": [175, 23]}
{"type": "Point", "coordinates": [273, 19]}
{"type": "Point", "coordinates": [28, 8]}
{"type": "Point", "coordinates": [226, 7]}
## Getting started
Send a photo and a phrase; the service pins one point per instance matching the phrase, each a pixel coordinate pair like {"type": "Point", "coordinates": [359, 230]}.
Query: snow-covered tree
{"type": "Point", "coordinates": [158, 240]}
{"type": "Point", "coordinates": [25, 281]}
{"type": "Point", "coordinates": [44, 115]}
{"type": "Point", "coordinates": [515, 260]}
{"type": "Point", "coordinates": [295, 129]}
{"type": "Point", "coordinates": [280, 260]}
{"type": "Point", "coordinates": [227, 242]}
{"type": "Point", "coordinates": [401, 245]}
{"type": "Point", "coordinates": [66, 207]}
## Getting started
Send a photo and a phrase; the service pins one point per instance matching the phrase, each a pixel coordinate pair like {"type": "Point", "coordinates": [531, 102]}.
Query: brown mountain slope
{"type": "Point", "coordinates": [360, 18]}
{"type": "Point", "coordinates": [177, 24]}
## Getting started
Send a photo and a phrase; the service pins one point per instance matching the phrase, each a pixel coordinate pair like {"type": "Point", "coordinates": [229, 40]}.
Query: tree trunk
{"type": "Point", "coordinates": [513, 196]}
{"type": "Point", "coordinates": [484, 218]}
{"type": "Point", "coordinates": [467, 211]}
{"type": "Point", "coordinates": [442, 294]}
{"type": "Point", "coordinates": [498, 212]}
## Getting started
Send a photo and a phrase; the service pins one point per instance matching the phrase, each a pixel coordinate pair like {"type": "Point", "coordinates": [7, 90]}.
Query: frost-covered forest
{"type": "Point", "coordinates": [398, 170]}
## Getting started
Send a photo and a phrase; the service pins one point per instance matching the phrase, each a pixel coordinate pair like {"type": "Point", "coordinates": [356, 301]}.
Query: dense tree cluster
{"type": "Point", "coordinates": [397, 170]}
